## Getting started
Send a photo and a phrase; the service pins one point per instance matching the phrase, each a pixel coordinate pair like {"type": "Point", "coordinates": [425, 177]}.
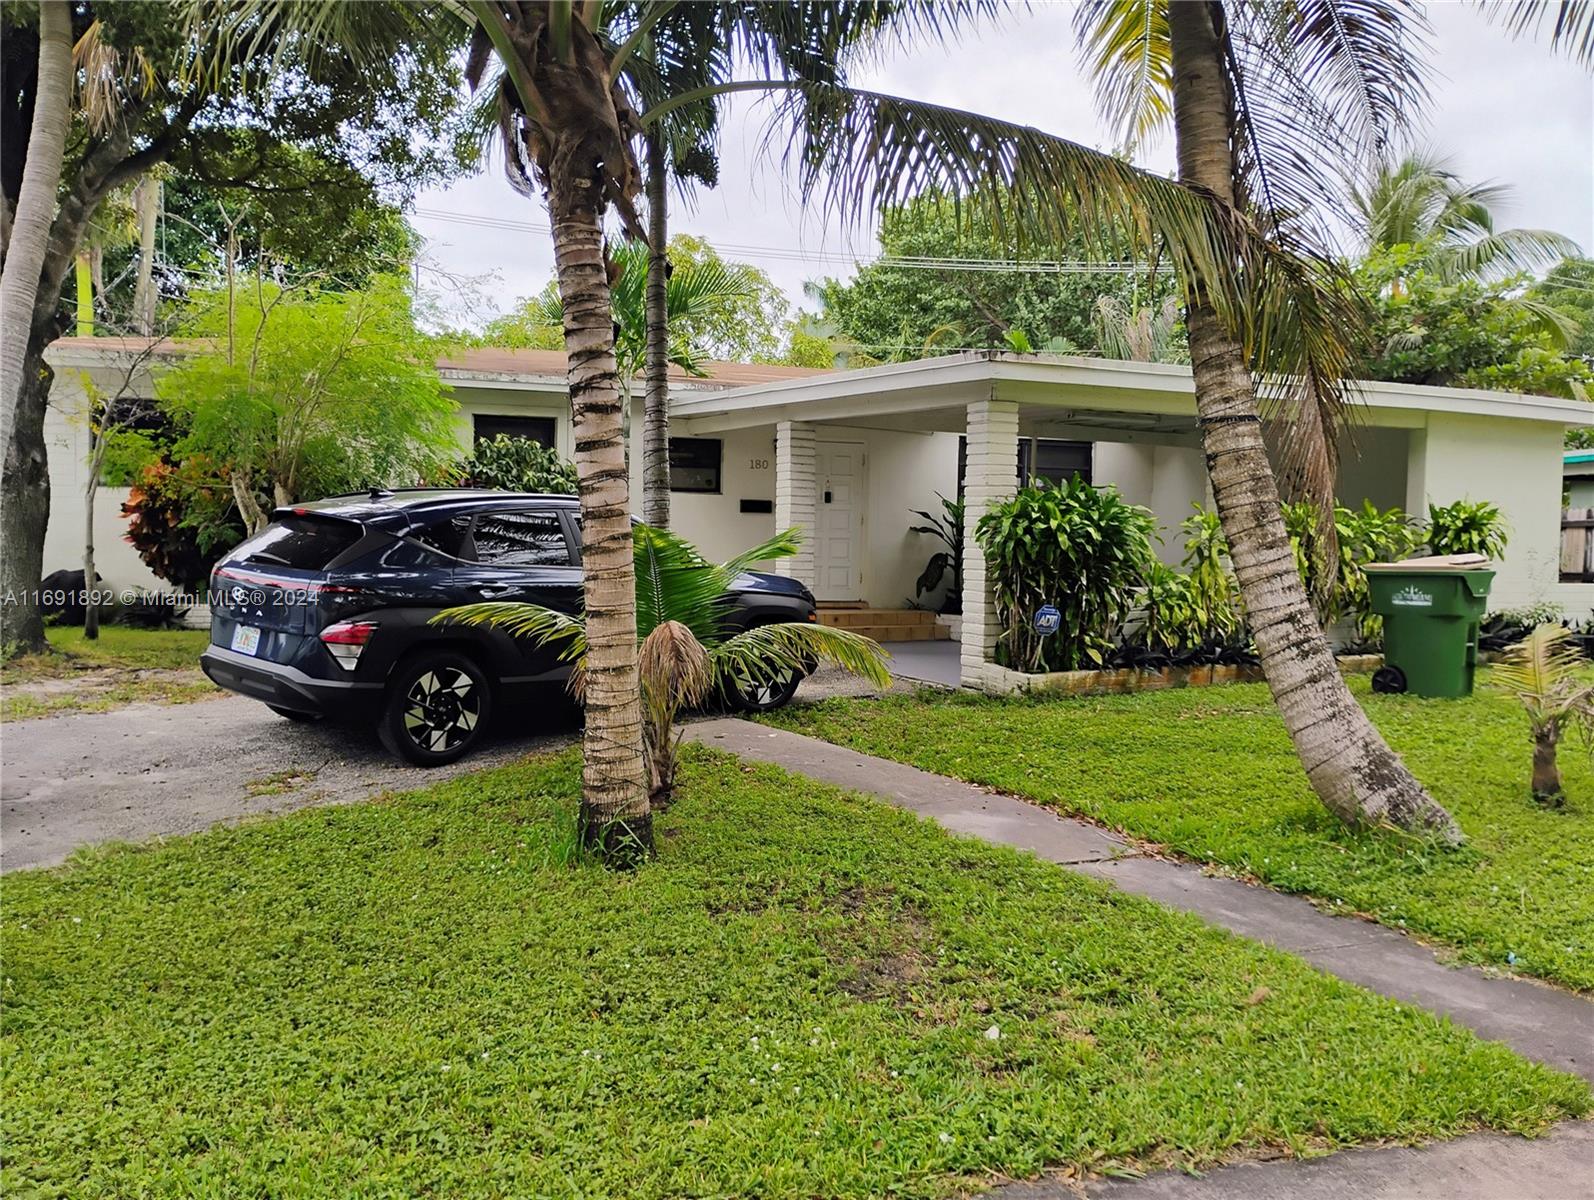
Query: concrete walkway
{"type": "Point", "coordinates": [1537, 1021]}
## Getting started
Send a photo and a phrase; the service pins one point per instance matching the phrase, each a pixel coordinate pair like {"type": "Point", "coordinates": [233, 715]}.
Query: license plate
{"type": "Point", "coordinates": [246, 639]}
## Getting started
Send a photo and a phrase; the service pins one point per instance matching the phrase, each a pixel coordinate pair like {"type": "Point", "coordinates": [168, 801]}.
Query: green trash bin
{"type": "Point", "coordinates": [1431, 609]}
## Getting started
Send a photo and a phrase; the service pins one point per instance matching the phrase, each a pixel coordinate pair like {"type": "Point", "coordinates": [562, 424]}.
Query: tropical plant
{"type": "Point", "coordinates": [180, 519]}
{"type": "Point", "coordinates": [1363, 536]}
{"type": "Point", "coordinates": [1467, 527]}
{"type": "Point", "coordinates": [1265, 100]}
{"type": "Point", "coordinates": [302, 392]}
{"type": "Point", "coordinates": [516, 464]}
{"type": "Point", "coordinates": [1420, 201]}
{"type": "Point", "coordinates": [1083, 550]}
{"type": "Point", "coordinates": [1171, 617]}
{"type": "Point", "coordinates": [1215, 595]}
{"type": "Point", "coordinates": [948, 527]}
{"type": "Point", "coordinates": [1545, 672]}
{"type": "Point", "coordinates": [686, 652]}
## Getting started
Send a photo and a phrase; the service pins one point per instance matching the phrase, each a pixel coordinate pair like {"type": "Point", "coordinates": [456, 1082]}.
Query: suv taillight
{"type": "Point", "coordinates": [346, 639]}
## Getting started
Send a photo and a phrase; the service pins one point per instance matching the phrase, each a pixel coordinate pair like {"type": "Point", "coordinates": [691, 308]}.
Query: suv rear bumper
{"type": "Point", "coordinates": [286, 686]}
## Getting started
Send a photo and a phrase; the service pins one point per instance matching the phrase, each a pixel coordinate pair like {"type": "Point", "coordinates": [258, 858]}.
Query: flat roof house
{"type": "Point", "coordinates": [849, 455]}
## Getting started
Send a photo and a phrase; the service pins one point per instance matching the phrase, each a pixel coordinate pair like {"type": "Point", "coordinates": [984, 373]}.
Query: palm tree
{"type": "Point", "coordinates": [567, 124]}
{"type": "Point", "coordinates": [1419, 201]}
{"type": "Point", "coordinates": [1263, 99]}
{"type": "Point", "coordinates": [686, 652]}
{"type": "Point", "coordinates": [1544, 671]}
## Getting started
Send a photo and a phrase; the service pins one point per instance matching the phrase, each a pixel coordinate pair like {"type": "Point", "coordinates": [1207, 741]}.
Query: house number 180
{"type": "Point", "coordinates": [758, 464]}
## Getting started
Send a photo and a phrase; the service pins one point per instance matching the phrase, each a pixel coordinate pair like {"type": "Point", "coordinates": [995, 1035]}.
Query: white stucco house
{"type": "Point", "coordinates": [848, 456]}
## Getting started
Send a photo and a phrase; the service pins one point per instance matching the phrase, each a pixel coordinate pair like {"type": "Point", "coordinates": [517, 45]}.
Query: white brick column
{"type": "Point", "coordinates": [795, 495]}
{"type": "Point", "coordinates": [990, 476]}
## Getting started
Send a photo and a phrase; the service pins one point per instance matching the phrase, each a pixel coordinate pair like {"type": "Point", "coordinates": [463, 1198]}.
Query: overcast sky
{"type": "Point", "coordinates": [1502, 111]}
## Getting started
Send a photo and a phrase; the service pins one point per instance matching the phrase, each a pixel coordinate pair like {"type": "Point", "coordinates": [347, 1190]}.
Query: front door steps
{"type": "Point", "coordinates": [885, 624]}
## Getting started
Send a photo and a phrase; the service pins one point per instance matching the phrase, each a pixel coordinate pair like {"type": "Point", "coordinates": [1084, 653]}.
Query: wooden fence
{"type": "Point", "coordinates": [1577, 545]}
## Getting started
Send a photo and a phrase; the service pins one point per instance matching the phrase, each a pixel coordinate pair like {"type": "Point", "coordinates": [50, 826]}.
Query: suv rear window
{"type": "Point", "coordinates": [307, 543]}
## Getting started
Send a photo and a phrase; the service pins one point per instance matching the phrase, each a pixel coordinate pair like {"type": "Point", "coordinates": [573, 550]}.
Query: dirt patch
{"type": "Point", "coordinates": [885, 947]}
{"type": "Point", "coordinates": [100, 689]}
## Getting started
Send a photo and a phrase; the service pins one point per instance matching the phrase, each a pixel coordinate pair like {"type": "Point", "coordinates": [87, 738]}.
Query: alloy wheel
{"type": "Point", "coordinates": [441, 709]}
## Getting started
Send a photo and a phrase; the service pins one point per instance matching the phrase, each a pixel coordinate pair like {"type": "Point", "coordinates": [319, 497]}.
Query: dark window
{"type": "Point", "coordinates": [695, 464]}
{"type": "Point", "coordinates": [537, 429]}
{"type": "Point", "coordinates": [450, 536]}
{"type": "Point", "coordinates": [308, 543]}
{"type": "Point", "coordinates": [521, 539]}
{"type": "Point", "coordinates": [1055, 462]}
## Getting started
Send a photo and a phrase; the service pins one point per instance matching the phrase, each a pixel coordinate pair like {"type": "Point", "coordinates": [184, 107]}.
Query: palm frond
{"type": "Point", "coordinates": [543, 626]}
{"type": "Point", "coordinates": [674, 667]}
{"type": "Point", "coordinates": [781, 545]}
{"type": "Point", "coordinates": [1126, 47]}
{"type": "Point", "coordinates": [1540, 664]}
{"type": "Point", "coordinates": [676, 583]}
{"type": "Point", "coordinates": [1494, 255]}
{"type": "Point", "coordinates": [1569, 23]}
{"type": "Point", "coordinates": [769, 652]}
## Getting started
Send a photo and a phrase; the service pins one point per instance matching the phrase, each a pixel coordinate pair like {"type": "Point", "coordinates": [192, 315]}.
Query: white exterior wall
{"type": "Point", "coordinates": [991, 477]}
{"type": "Point", "coordinates": [66, 439]}
{"type": "Point", "coordinates": [1169, 480]}
{"type": "Point", "coordinates": [1515, 465]}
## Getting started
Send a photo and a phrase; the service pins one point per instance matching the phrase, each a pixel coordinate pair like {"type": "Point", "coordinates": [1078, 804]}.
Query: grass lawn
{"type": "Point", "coordinates": [1210, 774]}
{"type": "Point", "coordinates": [809, 994]}
{"type": "Point", "coordinates": [122, 666]}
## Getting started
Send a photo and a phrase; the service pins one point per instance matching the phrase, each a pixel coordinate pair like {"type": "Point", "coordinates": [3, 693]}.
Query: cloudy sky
{"type": "Point", "coordinates": [1502, 111]}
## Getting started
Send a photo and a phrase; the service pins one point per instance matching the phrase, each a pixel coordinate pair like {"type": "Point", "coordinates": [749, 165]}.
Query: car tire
{"type": "Point", "coordinates": [304, 718]}
{"type": "Point", "coordinates": [438, 703]}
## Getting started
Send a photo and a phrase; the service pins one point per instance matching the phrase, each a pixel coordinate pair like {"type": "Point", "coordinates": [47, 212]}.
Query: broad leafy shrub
{"type": "Point", "coordinates": [1084, 550]}
{"type": "Point", "coordinates": [1467, 527]}
{"type": "Point", "coordinates": [517, 464]}
{"type": "Point", "coordinates": [181, 519]}
{"type": "Point", "coordinates": [944, 564]}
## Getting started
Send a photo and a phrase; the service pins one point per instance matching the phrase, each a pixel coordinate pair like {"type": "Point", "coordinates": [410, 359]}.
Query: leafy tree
{"type": "Point", "coordinates": [1569, 289]}
{"type": "Point", "coordinates": [1430, 329]}
{"type": "Point", "coordinates": [891, 312]}
{"type": "Point", "coordinates": [304, 392]}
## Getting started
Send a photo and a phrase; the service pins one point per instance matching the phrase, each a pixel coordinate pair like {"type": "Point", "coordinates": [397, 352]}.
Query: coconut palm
{"type": "Point", "coordinates": [1264, 100]}
{"type": "Point", "coordinates": [567, 121]}
{"type": "Point", "coordinates": [1545, 672]}
{"type": "Point", "coordinates": [686, 653]}
{"type": "Point", "coordinates": [1419, 201]}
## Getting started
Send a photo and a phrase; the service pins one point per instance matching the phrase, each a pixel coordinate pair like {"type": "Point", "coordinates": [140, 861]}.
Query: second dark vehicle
{"type": "Point", "coordinates": [327, 612]}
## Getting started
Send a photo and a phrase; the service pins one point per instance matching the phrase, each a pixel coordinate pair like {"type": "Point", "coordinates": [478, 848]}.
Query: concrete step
{"type": "Point", "coordinates": [860, 618]}
{"type": "Point", "coordinates": [902, 633]}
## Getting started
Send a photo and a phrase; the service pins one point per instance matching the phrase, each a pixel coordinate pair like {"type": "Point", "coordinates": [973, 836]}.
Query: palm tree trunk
{"type": "Point", "coordinates": [35, 211]}
{"type": "Point", "coordinates": [615, 817]}
{"type": "Point", "coordinates": [1350, 767]}
{"type": "Point", "coordinates": [656, 401]}
{"type": "Point", "coordinates": [1546, 783]}
{"type": "Point", "coordinates": [25, 512]}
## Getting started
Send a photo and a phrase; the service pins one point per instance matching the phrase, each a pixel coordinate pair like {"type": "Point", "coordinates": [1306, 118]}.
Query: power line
{"type": "Point", "coordinates": [784, 254]}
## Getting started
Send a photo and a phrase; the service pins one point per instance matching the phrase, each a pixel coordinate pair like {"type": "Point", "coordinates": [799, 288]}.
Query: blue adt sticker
{"type": "Point", "coordinates": [1047, 619]}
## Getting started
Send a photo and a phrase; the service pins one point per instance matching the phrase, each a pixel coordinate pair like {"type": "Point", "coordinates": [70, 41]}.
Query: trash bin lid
{"type": "Point", "coordinates": [1434, 564]}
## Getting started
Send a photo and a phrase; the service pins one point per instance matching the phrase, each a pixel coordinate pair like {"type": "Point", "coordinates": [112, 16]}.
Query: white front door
{"type": "Point", "coordinates": [838, 538]}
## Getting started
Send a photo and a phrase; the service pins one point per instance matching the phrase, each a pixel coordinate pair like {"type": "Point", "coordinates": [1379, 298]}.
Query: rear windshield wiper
{"type": "Point", "coordinates": [262, 556]}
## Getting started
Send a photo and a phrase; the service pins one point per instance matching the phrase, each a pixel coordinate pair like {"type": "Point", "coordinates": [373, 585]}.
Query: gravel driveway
{"type": "Point", "coordinates": [152, 769]}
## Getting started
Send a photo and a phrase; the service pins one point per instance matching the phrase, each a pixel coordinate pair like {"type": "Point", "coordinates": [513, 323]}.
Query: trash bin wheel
{"type": "Point", "coordinates": [1389, 680]}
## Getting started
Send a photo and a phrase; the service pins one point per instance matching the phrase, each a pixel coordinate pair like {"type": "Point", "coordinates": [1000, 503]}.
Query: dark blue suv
{"type": "Point", "coordinates": [327, 612]}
